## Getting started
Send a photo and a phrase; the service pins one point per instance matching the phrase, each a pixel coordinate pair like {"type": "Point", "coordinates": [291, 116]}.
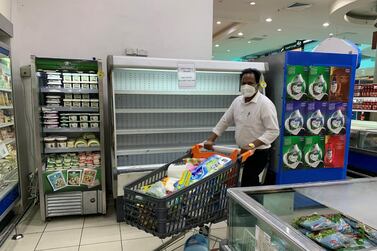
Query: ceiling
{"type": "Point", "coordinates": [301, 23]}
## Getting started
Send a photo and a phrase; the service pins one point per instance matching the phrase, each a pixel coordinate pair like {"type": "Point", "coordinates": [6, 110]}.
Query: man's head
{"type": "Point", "coordinates": [249, 79]}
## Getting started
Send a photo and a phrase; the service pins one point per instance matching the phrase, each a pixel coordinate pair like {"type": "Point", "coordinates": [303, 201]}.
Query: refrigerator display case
{"type": "Point", "coordinates": [363, 147]}
{"type": "Point", "coordinates": [270, 217]}
{"type": "Point", "coordinates": [68, 110]}
{"type": "Point", "coordinates": [312, 93]}
{"type": "Point", "coordinates": [160, 111]}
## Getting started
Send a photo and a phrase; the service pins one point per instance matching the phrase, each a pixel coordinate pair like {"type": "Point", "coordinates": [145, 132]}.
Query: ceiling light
{"type": "Point", "coordinates": [249, 42]}
{"type": "Point", "coordinates": [269, 20]}
{"type": "Point", "coordinates": [279, 29]}
{"type": "Point", "coordinates": [252, 3]}
{"type": "Point", "coordinates": [240, 34]}
{"type": "Point", "coordinates": [217, 45]}
{"type": "Point", "coordinates": [228, 50]}
{"type": "Point", "coordinates": [331, 34]}
{"type": "Point", "coordinates": [325, 24]}
{"type": "Point", "coordinates": [218, 22]}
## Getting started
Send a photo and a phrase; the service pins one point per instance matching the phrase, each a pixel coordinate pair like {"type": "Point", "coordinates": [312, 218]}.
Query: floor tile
{"type": "Point", "coordinates": [75, 248]}
{"type": "Point", "coordinates": [29, 242]}
{"type": "Point", "coordinates": [65, 223]}
{"type": "Point", "coordinates": [101, 220]}
{"type": "Point", "coordinates": [93, 235]}
{"type": "Point", "coordinates": [108, 246]}
{"type": "Point", "coordinates": [129, 232]}
{"type": "Point", "coordinates": [144, 244]}
{"type": "Point", "coordinates": [59, 239]}
{"type": "Point", "coordinates": [219, 232]}
{"type": "Point", "coordinates": [221, 224]}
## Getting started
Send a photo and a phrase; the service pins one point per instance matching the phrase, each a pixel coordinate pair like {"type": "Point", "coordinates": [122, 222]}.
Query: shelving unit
{"type": "Point", "coordinates": [155, 121]}
{"type": "Point", "coordinates": [357, 110]}
{"type": "Point", "coordinates": [82, 168]}
{"type": "Point", "coordinates": [3, 125]}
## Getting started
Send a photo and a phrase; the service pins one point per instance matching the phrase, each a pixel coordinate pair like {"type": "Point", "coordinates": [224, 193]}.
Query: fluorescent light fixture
{"type": "Point", "coordinates": [217, 45]}
{"type": "Point", "coordinates": [326, 24]}
{"type": "Point", "coordinates": [249, 42]}
{"type": "Point", "coordinates": [269, 20]}
{"type": "Point", "coordinates": [218, 22]}
{"type": "Point", "coordinates": [240, 34]}
{"type": "Point", "coordinates": [279, 29]}
{"type": "Point", "coordinates": [331, 34]}
{"type": "Point", "coordinates": [252, 3]}
{"type": "Point", "coordinates": [228, 50]}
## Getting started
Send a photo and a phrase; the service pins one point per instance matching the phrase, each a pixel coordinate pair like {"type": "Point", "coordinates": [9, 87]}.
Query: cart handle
{"type": "Point", "coordinates": [232, 153]}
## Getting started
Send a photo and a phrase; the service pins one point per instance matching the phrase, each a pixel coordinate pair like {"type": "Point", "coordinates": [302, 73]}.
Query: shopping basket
{"type": "Point", "coordinates": [198, 204]}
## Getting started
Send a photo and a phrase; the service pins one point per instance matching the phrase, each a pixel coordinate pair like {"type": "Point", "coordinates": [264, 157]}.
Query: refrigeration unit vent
{"type": "Point", "coordinates": [298, 6]}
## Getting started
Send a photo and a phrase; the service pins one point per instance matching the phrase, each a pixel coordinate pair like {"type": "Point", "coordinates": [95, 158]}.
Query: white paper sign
{"type": "Point", "coordinates": [3, 151]}
{"type": "Point", "coordinates": [186, 76]}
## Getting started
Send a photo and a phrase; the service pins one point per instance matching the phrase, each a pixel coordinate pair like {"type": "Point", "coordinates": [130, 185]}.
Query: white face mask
{"type": "Point", "coordinates": [248, 91]}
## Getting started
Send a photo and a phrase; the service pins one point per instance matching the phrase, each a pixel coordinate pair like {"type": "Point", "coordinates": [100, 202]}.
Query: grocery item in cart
{"type": "Point", "coordinates": [332, 239]}
{"type": "Point", "coordinates": [315, 222]}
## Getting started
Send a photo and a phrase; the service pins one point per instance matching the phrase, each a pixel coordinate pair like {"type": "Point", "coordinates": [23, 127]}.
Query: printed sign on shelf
{"type": "Point", "coordinates": [3, 151]}
{"type": "Point", "coordinates": [186, 76]}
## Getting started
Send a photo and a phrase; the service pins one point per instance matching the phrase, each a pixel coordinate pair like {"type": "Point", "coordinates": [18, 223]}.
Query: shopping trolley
{"type": "Point", "coordinates": [194, 206]}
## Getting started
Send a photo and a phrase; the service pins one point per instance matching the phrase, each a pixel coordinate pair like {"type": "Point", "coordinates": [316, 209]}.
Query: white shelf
{"type": "Point", "coordinates": [138, 168]}
{"type": "Point", "coordinates": [70, 109]}
{"type": "Point", "coordinates": [68, 90]}
{"type": "Point", "coordinates": [158, 150]}
{"type": "Point", "coordinates": [73, 150]}
{"type": "Point", "coordinates": [6, 124]}
{"type": "Point", "coordinates": [373, 98]}
{"type": "Point", "coordinates": [4, 107]}
{"type": "Point", "coordinates": [167, 130]}
{"type": "Point", "coordinates": [5, 90]}
{"type": "Point", "coordinates": [183, 92]}
{"type": "Point", "coordinates": [193, 110]}
{"type": "Point", "coordinates": [364, 110]}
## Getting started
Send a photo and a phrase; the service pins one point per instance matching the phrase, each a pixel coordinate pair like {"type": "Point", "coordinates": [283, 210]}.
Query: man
{"type": "Point", "coordinates": [255, 119]}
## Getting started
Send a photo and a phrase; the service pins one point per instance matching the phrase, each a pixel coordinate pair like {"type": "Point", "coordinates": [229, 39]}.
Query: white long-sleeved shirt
{"type": "Point", "coordinates": [256, 119]}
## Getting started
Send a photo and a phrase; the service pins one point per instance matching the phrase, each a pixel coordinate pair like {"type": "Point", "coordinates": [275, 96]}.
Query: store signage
{"type": "Point", "coordinates": [186, 76]}
{"type": "Point", "coordinates": [3, 151]}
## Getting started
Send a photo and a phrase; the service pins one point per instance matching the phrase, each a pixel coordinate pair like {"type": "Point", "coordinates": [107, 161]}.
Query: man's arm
{"type": "Point", "coordinates": [271, 124]}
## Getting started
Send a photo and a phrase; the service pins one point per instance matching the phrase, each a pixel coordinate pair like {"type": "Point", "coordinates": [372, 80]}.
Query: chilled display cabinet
{"type": "Point", "coordinates": [68, 109]}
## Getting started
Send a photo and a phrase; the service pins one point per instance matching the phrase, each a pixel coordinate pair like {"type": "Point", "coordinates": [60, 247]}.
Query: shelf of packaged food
{"type": "Point", "coordinates": [70, 109]}
{"type": "Point", "coordinates": [357, 110]}
{"type": "Point", "coordinates": [193, 110]}
{"type": "Point", "coordinates": [369, 98]}
{"type": "Point", "coordinates": [69, 130]}
{"type": "Point", "coordinates": [5, 90]}
{"type": "Point", "coordinates": [121, 92]}
{"type": "Point", "coordinates": [8, 141]}
{"type": "Point", "coordinates": [5, 107]}
{"type": "Point", "coordinates": [2, 125]}
{"type": "Point", "coordinates": [166, 130]}
{"type": "Point", "coordinates": [73, 150]}
{"type": "Point", "coordinates": [157, 150]}
{"type": "Point", "coordinates": [68, 90]}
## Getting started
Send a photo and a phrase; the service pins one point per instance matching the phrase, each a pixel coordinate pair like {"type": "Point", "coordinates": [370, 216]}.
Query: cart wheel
{"type": "Point", "coordinates": [204, 230]}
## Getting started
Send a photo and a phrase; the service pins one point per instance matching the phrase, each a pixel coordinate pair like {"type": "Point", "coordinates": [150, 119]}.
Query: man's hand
{"type": "Point", "coordinates": [208, 144]}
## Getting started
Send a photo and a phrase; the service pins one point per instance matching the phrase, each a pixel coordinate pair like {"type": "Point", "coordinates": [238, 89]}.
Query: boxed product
{"type": "Point", "coordinates": [294, 118]}
{"type": "Point", "coordinates": [292, 152]}
{"type": "Point", "coordinates": [319, 78]}
{"type": "Point", "coordinates": [336, 118]}
{"type": "Point", "coordinates": [314, 150]}
{"type": "Point", "coordinates": [296, 82]}
{"type": "Point", "coordinates": [334, 151]}
{"type": "Point", "coordinates": [315, 118]}
{"type": "Point", "coordinates": [340, 84]}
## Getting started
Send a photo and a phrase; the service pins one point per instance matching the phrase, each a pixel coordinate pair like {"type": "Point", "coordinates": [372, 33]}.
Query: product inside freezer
{"type": "Point", "coordinates": [183, 174]}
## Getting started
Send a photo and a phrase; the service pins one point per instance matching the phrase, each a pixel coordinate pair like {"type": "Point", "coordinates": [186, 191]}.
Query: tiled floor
{"type": "Point", "coordinates": [89, 233]}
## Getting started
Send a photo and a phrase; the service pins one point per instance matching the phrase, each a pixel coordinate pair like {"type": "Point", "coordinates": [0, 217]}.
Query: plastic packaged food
{"type": "Point", "coordinates": [85, 86]}
{"type": "Point", "coordinates": [85, 103]}
{"type": "Point", "coordinates": [68, 85]}
{"type": "Point", "coordinates": [94, 124]}
{"type": "Point", "coordinates": [93, 142]}
{"type": "Point", "coordinates": [61, 142]}
{"type": "Point", "coordinates": [340, 224]}
{"type": "Point", "coordinates": [81, 143]}
{"type": "Point", "coordinates": [68, 96]}
{"type": "Point", "coordinates": [94, 86]}
{"type": "Point", "coordinates": [94, 103]}
{"type": "Point", "coordinates": [332, 239]}
{"type": "Point", "coordinates": [67, 77]}
{"type": "Point", "coordinates": [315, 222]}
{"type": "Point", "coordinates": [50, 142]}
{"type": "Point", "coordinates": [93, 78]}
{"type": "Point", "coordinates": [76, 102]}
{"type": "Point", "coordinates": [85, 96]}
{"type": "Point", "coordinates": [73, 125]}
{"type": "Point", "coordinates": [76, 96]}
{"type": "Point", "coordinates": [76, 78]}
{"type": "Point", "coordinates": [94, 117]}
{"type": "Point", "coordinates": [157, 189]}
{"type": "Point", "coordinates": [76, 85]}
{"type": "Point", "coordinates": [72, 118]}
{"type": "Point", "coordinates": [67, 102]}
{"type": "Point", "coordinates": [84, 117]}
{"type": "Point", "coordinates": [84, 78]}
{"type": "Point", "coordinates": [84, 125]}
{"type": "Point", "coordinates": [71, 143]}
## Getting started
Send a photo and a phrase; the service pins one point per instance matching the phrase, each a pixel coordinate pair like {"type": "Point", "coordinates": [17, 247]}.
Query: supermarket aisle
{"type": "Point", "coordinates": [86, 234]}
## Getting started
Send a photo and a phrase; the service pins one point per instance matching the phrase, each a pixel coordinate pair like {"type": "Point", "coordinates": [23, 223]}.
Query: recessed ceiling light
{"type": "Point", "coordinates": [217, 45]}
{"type": "Point", "coordinates": [279, 29]}
{"type": "Point", "coordinates": [331, 34]}
{"type": "Point", "coordinates": [269, 20]}
{"type": "Point", "coordinates": [240, 34]}
{"type": "Point", "coordinates": [326, 24]}
{"type": "Point", "coordinates": [218, 22]}
{"type": "Point", "coordinates": [249, 42]}
{"type": "Point", "coordinates": [228, 50]}
{"type": "Point", "coordinates": [252, 3]}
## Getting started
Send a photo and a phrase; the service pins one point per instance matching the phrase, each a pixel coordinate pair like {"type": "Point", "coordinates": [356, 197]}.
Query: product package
{"type": "Point", "coordinates": [314, 151]}
{"type": "Point", "coordinates": [336, 118]}
{"type": "Point", "coordinates": [332, 239]}
{"type": "Point", "coordinates": [339, 84]}
{"type": "Point", "coordinates": [292, 152]}
{"type": "Point", "coordinates": [315, 118]}
{"type": "Point", "coordinates": [314, 222]}
{"type": "Point", "coordinates": [74, 177]}
{"type": "Point", "coordinates": [334, 151]}
{"type": "Point", "coordinates": [57, 180]}
{"type": "Point", "coordinates": [296, 82]}
{"type": "Point", "coordinates": [88, 177]}
{"type": "Point", "coordinates": [319, 78]}
{"type": "Point", "coordinates": [294, 118]}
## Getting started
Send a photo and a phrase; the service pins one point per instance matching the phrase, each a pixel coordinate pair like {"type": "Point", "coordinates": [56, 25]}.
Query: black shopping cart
{"type": "Point", "coordinates": [201, 203]}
